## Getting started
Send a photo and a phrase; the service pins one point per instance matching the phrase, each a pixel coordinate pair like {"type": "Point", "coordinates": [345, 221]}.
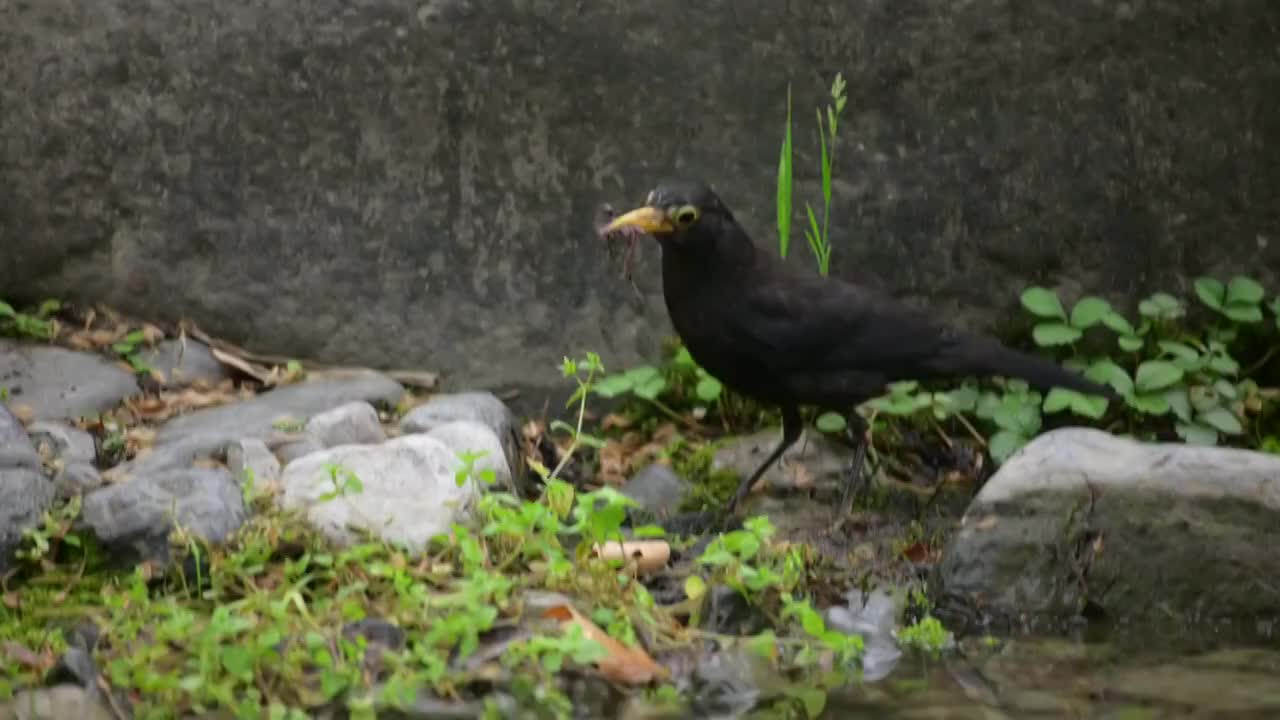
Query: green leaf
{"type": "Point", "coordinates": [1243, 313]}
{"type": "Point", "coordinates": [694, 587]}
{"type": "Point", "coordinates": [1089, 311]}
{"type": "Point", "coordinates": [683, 359]}
{"type": "Point", "coordinates": [784, 185]}
{"type": "Point", "coordinates": [1004, 444]}
{"type": "Point", "coordinates": [1058, 399]}
{"type": "Point", "coordinates": [1043, 303]}
{"type": "Point", "coordinates": [831, 422]}
{"type": "Point", "coordinates": [1197, 434]}
{"type": "Point", "coordinates": [6, 310]}
{"type": "Point", "coordinates": [650, 389]}
{"type": "Point", "coordinates": [1117, 323]}
{"type": "Point", "coordinates": [613, 386]}
{"type": "Point", "coordinates": [1179, 403]}
{"type": "Point", "coordinates": [708, 389]}
{"type": "Point", "coordinates": [963, 399]}
{"type": "Point", "coordinates": [1130, 343]}
{"type": "Point", "coordinates": [1160, 306]}
{"type": "Point", "coordinates": [1178, 350]}
{"type": "Point", "coordinates": [1244, 291]}
{"type": "Point", "coordinates": [1203, 398]}
{"type": "Point", "coordinates": [1222, 420]}
{"type": "Point", "coordinates": [1106, 371]}
{"type": "Point", "coordinates": [1156, 375]}
{"type": "Point", "coordinates": [1150, 403]}
{"type": "Point", "coordinates": [1050, 334]}
{"type": "Point", "coordinates": [1224, 365]}
{"type": "Point", "coordinates": [1226, 389]}
{"type": "Point", "coordinates": [1211, 292]}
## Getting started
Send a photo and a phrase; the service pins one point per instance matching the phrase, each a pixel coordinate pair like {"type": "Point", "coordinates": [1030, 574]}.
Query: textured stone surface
{"type": "Point", "coordinates": [209, 431]}
{"type": "Point", "coordinates": [58, 384]}
{"type": "Point", "coordinates": [354, 423]}
{"type": "Point", "coordinates": [407, 492]}
{"type": "Point", "coordinates": [133, 519]}
{"type": "Point", "coordinates": [657, 488]}
{"type": "Point", "coordinates": [481, 407]}
{"type": "Point", "coordinates": [1080, 516]}
{"type": "Point", "coordinates": [470, 436]}
{"type": "Point", "coordinates": [25, 493]}
{"type": "Point", "coordinates": [186, 362]}
{"type": "Point", "coordinates": [414, 180]}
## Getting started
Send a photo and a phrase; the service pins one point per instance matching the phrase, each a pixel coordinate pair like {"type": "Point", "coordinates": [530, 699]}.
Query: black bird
{"type": "Point", "coordinates": [782, 335]}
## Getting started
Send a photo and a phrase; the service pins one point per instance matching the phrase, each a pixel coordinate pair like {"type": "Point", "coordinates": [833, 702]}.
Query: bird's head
{"type": "Point", "coordinates": [681, 215]}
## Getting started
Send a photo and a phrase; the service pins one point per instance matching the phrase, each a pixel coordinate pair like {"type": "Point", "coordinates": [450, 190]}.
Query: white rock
{"type": "Point", "coordinates": [252, 458]}
{"type": "Point", "coordinates": [354, 423]}
{"type": "Point", "coordinates": [463, 436]}
{"type": "Point", "coordinates": [409, 493]}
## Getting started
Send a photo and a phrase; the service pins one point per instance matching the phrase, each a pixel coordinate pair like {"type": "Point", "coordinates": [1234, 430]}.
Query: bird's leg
{"type": "Point", "coordinates": [856, 437]}
{"type": "Point", "coordinates": [791, 427]}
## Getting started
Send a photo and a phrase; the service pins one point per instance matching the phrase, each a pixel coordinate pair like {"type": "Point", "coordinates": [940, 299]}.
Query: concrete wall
{"type": "Point", "coordinates": [400, 182]}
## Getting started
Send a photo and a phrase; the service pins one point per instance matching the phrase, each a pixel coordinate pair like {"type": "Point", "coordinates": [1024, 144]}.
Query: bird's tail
{"type": "Point", "coordinates": [987, 357]}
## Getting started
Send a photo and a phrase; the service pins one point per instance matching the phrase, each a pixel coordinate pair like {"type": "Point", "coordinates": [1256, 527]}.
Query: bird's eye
{"type": "Point", "coordinates": [686, 215]}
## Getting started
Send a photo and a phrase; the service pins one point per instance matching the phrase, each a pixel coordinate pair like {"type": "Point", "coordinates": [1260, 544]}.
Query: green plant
{"type": "Point", "coordinates": [36, 324]}
{"type": "Point", "coordinates": [129, 348]}
{"type": "Point", "coordinates": [926, 634]}
{"type": "Point", "coordinates": [817, 233]}
{"type": "Point", "coordinates": [344, 481]}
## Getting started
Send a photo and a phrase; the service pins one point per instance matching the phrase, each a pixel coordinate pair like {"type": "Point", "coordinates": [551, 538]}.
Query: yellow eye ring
{"type": "Point", "coordinates": [686, 215]}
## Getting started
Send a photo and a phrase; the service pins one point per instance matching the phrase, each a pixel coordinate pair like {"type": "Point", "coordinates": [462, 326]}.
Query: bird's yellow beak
{"type": "Point", "coordinates": [649, 219]}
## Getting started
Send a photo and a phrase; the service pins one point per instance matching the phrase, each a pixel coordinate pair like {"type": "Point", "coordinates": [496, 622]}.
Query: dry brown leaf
{"type": "Point", "coordinates": [622, 664]}
{"type": "Point", "coordinates": [986, 523]}
{"type": "Point", "coordinates": [26, 657]}
{"type": "Point", "coordinates": [645, 556]}
{"type": "Point", "coordinates": [613, 469]}
{"type": "Point", "coordinates": [24, 413]}
{"type": "Point", "coordinates": [801, 477]}
{"type": "Point", "coordinates": [151, 334]}
{"type": "Point", "coordinates": [615, 421]}
{"type": "Point", "coordinates": [257, 372]}
{"type": "Point", "coordinates": [11, 600]}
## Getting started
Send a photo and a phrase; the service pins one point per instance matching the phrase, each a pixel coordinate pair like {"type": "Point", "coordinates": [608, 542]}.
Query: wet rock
{"type": "Point", "coordinates": [134, 519]}
{"type": "Point", "coordinates": [186, 362]}
{"type": "Point", "coordinates": [354, 423]}
{"type": "Point", "coordinates": [874, 617]}
{"type": "Point", "coordinates": [59, 702]}
{"type": "Point", "coordinates": [657, 488]}
{"type": "Point", "coordinates": [469, 436]}
{"type": "Point", "coordinates": [208, 432]}
{"type": "Point", "coordinates": [25, 493]}
{"type": "Point", "coordinates": [482, 407]}
{"type": "Point", "coordinates": [1082, 520]}
{"type": "Point", "coordinates": [408, 490]}
{"type": "Point", "coordinates": [60, 384]}
{"type": "Point", "coordinates": [251, 458]}
{"type": "Point", "coordinates": [814, 461]}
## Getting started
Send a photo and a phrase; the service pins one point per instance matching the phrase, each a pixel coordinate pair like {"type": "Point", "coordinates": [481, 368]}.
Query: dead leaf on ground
{"type": "Point", "coordinates": [622, 664]}
{"type": "Point", "coordinates": [645, 556]}
{"type": "Point", "coordinates": [253, 370]}
{"type": "Point", "coordinates": [614, 421]}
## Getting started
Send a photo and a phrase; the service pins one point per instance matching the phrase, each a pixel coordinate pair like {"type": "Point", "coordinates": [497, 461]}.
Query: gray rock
{"type": "Point", "coordinates": [813, 461]}
{"type": "Point", "coordinates": [657, 488]}
{"type": "Point", "coordinates": [208, 432]}
{"type": "Point", "coordinates": [55, 703]}
{"type": "Point", "coordinates": [409, 493]}
{"type": "Point", "coordinates": [185, 362]}
{"type": "Point", "coordinates": [25, 493]}
{"type": "Point", "coordinates": [1080, 515]}
{"type": "Point", "coordinates": [16, 450]}
{"type": "Point", "coordinates": [134, 518]}
{"type": "Point", "coordinates": [63, 441]}
{"type": "Point", "coordinates": [288, 452]}
{"type": "Point", "coordinates": [59, 384]}
{"type": "Point", "coordinates": [469, 436]}
{"type": "Point", "coordinates": [252, 458]}
{"type": "Point", "coordinates": [354, 423]}
{"type": "Point", "coordinates": [76, 478]}
{"type": "Point", "coordinates": [959, 185]}
{"type": "Point", "coordinates": [482, 407]}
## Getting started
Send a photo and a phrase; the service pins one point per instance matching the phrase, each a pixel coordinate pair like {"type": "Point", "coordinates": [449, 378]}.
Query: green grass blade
{"type": "Point", "coordinates": [784, 186]}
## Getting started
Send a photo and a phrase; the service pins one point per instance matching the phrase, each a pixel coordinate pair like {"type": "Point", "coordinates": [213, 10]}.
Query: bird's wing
{"type": "Point", "coordinates": [813, 323]}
